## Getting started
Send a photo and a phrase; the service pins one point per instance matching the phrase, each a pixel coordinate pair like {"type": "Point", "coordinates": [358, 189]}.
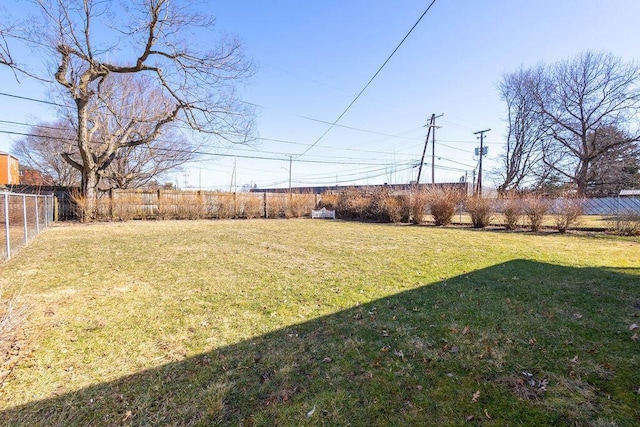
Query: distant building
{"type": "Point", "coordinates": [30, 176]}
{"type": "Point", "coordinates": [9, 169]}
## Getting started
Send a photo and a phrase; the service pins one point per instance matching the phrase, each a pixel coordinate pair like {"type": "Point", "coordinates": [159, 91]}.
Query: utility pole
{"type": "Point", "coordinates": [233, 176]}
{"type": "Point", "coordinates": [433, 147]}
{"type": "Point", "coordinates": [432, 124]}
{"type": "Point", "coordinates": [478, 191]}
{"type": "Point", "coordinates": [290, 161]}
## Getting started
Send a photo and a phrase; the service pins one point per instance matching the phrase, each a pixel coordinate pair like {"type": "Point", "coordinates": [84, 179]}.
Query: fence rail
{"type": "Point", "coordinates": [23, 216]}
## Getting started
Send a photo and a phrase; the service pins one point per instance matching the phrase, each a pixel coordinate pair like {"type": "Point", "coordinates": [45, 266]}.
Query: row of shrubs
{"type": "Point", "coordinates": [438, 205]}
{"type": "Point", "coordinates": [441, 204]}
{"type": "Point", "coordinates": [125, 205]}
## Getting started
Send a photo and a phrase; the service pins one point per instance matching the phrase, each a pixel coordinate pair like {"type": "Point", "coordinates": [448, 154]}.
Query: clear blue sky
{"type": "Point", "coordinates": [314, 57]}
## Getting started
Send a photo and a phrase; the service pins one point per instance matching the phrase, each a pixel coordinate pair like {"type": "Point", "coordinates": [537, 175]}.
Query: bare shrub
{"type": "Point", "coordinates": [567, 211]}
{"type": "Point", "coordinates": [481, 211]}
{"type": "Point", "coordinates": [167, 208]}
{"type": "Point", "coordinates": [512, 211]}
{"type": "Point", "coordinates": [223, 206]}
{"type": "Point", "coordinates": [626, 224]}
{"type": "Point", "coordinates": [328, 201]}
{"type": "Point", "coordinates": [442, 204]}
{"type": "Point", "coordinates": [535, 208]}
{"type": "Point", "coordinates": [124, 206]}
{"type": "Point", "coordinates": [192, 206]}
{"type": "Point", "coordinates": [80, 204]}
{"type": "Point", "coordinates": [397, 208]}
{"type": "Point", "coordinates": [250, 205]}
{"type": "Point", "coordinates": [418, 203]}
{"type": "Point", "coordinates": [352, 204]}
{"type": "Point", "coordinates": [382, 205]}
{"type": "Point", "coordinates": [301, 205]}
{"type": "Point", "coordinates": [277, 205]}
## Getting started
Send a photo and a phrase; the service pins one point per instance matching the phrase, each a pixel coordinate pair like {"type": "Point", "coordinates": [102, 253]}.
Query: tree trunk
{"type": "Point", "coordinates": [582, 178]}
{"type": "Point", "coordinates": [89, 167]}
{"type": "Point", "coordinates": [90, 193]}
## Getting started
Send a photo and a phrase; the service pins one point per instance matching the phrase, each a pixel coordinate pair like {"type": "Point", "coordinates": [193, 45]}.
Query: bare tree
{"type": "Point", "coordinates": [5, 28]}
{"type": "Point", "coordinates": [5, 55]}
{"type": "Point", "coordinates": [42, 150]}
{"type": "Point", "coordinates": [192, 85]}
{"type": "Point", "coordinates": [617, 167]}
{"type": "Point", "coordinates": [525, 131]}
{"type": "Point", "coordinates": [581, 98]}
{"type": "Point", "coordinates": [135, 167]}
{"type": "Point", "coordinates": [119, 163]}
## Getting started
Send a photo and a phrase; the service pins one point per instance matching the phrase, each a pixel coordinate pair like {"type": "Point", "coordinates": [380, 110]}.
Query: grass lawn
{"type": "Point", "coordinates": [311, 322]}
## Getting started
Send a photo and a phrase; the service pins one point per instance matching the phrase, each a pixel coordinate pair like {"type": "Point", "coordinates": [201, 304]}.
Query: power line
{"type": "Point", "coordinates": [368, 83]}
{"type": "Point", "coordinates": [32, 99]}
{"type": "Point", "coordinates": [408, 138]}
{"type": "Point", "coordinates": [206, 153]}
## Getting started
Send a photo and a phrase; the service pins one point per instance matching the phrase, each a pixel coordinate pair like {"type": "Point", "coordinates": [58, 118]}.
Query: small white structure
{"type": "Point", "coordinates": [323, 213]}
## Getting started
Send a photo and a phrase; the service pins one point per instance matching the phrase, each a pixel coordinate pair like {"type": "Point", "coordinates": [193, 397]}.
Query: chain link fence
{"type": "Point", "coordinates": [22, 217]}
{"type": "Point", "coordinates": [612, 205]}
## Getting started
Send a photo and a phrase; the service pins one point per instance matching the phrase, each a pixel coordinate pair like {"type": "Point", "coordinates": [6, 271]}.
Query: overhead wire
{"type": "Point", "coordinates": [205, 153]}
{"type": "Point", "coordinates": [368, 83]}
{"type": "Point", "coordinates": [234, 148]}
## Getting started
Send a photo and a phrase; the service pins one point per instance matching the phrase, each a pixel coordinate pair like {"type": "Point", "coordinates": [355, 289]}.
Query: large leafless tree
{"type": "Point", "coordinates": [127, 106]}
{"type": "Point", "coordinates": [582, 98]}
{"type": "Point", "coordinates": [574, 104]}
{"type": "Point", "coordinates": [521, 159]}
{"type": "Point", "coordinates": [191, 74]}
{"type": "Point", "coordinates": [615, 168]}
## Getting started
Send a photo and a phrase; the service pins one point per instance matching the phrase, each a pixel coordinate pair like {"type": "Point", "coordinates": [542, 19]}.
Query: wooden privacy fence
{"type": "Point", "coordinates": [178, 204]}
{"type": "Point", "coordinates": [22, 217]}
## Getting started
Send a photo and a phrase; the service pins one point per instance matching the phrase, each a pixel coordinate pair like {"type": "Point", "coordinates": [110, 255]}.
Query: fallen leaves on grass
{"type": "Point", "coordinates": [311, 412]}
{"type": "Point", "coordinates": [526, 386]}
{"type": "Point", "coordinates": [283, 395]}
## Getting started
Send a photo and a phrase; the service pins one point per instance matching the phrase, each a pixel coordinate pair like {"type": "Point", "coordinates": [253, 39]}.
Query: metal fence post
{"type": "Point", "coordinates": [24, 219]}
{"type": "Point", "coordinates": [46, 211]}
{"type": "Point", "coordinates": [37, 217]}
{"type": "Point", "coordinates": [6, 224]}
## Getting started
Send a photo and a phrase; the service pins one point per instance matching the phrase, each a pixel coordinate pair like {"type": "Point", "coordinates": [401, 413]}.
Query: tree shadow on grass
{"type": "Point", "coordinates": [520, 342]}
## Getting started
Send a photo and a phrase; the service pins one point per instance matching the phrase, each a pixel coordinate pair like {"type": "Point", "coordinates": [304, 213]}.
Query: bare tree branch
{"type": "Point", "coordinates": [192, 84]}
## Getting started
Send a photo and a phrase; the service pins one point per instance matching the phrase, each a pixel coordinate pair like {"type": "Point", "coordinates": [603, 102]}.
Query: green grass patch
{"type": "Point", "coordinates": [307, 322]}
